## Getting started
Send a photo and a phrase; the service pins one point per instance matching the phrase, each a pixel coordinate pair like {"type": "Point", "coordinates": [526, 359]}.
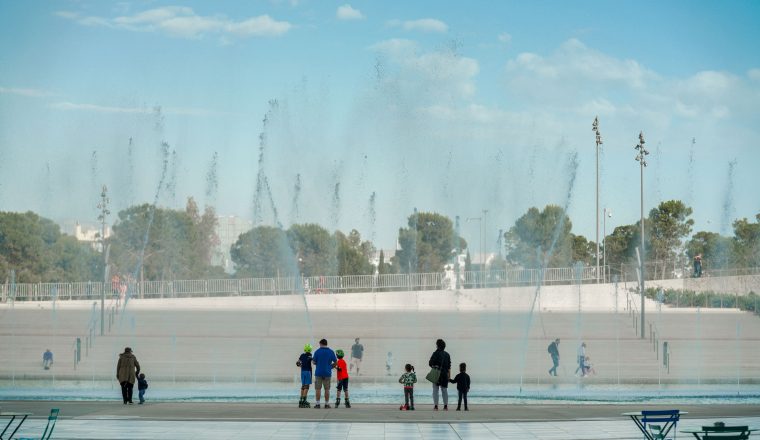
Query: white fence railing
{"type": "Point", "coordinates": [293, 285]}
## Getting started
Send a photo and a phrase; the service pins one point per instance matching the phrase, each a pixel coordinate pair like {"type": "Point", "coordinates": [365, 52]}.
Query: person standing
{"type": "Point", "coordinates": [357, 353]}
{"type": "Point", "coordinates": [127, 370]}
{"type": "Point", "coordinates": [47, 359]}
{"type": "Point", "coordinates": [463, 385]}
{"type": "Point", "coordinates": [304, 361]}
{"type": "Point", "coordinates": [441, 360]}
{"type": "Point", "coordinates": [342, 377]}
{"type": "Point", "coordinates": [408, 379]}
{"type": "Point", "coordinates": [324, 359]}
{"type": "Point", "coordinates": [554, 353]}
{"type": "Point", "coordinates": [698, 266]}
{"type": "Point", "coordinates": [142, 387]}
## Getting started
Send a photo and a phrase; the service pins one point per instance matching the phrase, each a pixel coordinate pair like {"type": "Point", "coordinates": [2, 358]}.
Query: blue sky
{"type": "Point", "coordinates": [453, 107]}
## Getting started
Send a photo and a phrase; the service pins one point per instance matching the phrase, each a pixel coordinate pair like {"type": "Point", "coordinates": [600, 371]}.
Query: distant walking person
{"type": "Point", "coordinates": [442, 361]}
{"type": "Point", "coordinates": [47, 359]}
{"type": "Point", "coordinates": [357, 353]}
{"type": "Point", "coordinates": [554, 353]}
{"type": "Point", "coordinates": [127, 370]}
{"type": "Point", "coordinates": [581, 359]}
{"type": "Point", "coordinates": [463, 386]}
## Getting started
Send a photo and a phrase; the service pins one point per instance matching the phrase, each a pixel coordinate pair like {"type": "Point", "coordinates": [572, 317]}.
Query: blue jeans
{"type": "Point", "coordinates": [555, 361]}
{"type": "Point", "coordinates": [141, 393]}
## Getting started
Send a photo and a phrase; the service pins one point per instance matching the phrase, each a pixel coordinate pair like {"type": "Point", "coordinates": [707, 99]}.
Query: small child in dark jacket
{"type": "Point", "coordinates": [463, 385]}
{"type": "Point", "coordinates": [142, 385]}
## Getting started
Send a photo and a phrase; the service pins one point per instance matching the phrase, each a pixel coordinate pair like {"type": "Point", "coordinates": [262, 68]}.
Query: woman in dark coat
{"type": "Point", "coordinates": [441, 360]}
{"type": "Point", "coordinates": [127, 370]}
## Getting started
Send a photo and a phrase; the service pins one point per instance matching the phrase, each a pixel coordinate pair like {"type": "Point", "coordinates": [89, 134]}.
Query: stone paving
{"type": "Point", "coordinates": [124, 428]}
{"type": "Point", "coordinates": [173, 420]}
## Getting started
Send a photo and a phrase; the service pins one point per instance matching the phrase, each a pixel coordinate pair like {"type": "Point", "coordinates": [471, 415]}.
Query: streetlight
{"type": "Point", "coordinates": [641, 155]}
{"type": "Point", "coordinates": [104, 212]}
{"type": "Point", "coordinates": [607, 213]}
{"type": "Point", "coordinates": [595, 128]}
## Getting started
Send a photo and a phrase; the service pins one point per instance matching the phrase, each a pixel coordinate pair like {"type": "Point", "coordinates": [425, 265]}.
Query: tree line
{"type": "Point", "coordinates": [154, 243]}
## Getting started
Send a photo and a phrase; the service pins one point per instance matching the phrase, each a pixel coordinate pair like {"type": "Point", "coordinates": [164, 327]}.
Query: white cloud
{"type": "Point", "coordinates": [183, 22]}
{"type": "Point", "coordinates": [573, 60]}
{"type": "Point", "coordinates": [583, 82]}
{"type": "Point", "coordinates": [346, 12]}
{"type": "Point", "coordinates": [423, 25]}
{"type": "Point", "coordinates": [31, 93]}
{"type": "Point", "coordinates": [96, 108]}
{"type": "Point", "coordinates": [262, 26]}
{"type": "Point", "coordinates": [429, 76]}
{"type": "Point", "coordinates": [505, 38]}
{"type": "Point", "coordinates": [754, 74]}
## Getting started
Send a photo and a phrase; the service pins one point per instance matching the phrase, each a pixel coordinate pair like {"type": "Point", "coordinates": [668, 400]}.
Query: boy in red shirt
{"type": "Point", "coordinates": [342, 378]}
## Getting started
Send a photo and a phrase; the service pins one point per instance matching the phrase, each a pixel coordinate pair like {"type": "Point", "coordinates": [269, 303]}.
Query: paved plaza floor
{"type": "Point", "coordinates": [169, 421]}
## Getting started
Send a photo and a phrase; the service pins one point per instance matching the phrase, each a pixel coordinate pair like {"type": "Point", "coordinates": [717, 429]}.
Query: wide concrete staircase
{"type": "Point", "coordinates": [493, 331]}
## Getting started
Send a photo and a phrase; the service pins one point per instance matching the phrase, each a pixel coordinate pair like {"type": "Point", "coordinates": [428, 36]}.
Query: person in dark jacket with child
{"type": "Point", "coordinates": [442, 361]}
{"type": "Point", "coordinates": [127, 370]}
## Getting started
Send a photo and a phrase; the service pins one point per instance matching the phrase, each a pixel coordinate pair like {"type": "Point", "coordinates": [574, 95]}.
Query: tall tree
{"type": "Point", "coordinates": [426, 243]}
{"type": "Point", "coordinates": [36, 250]}
{"type": "Point", "coordinates": [381, 263]}
{"type": "Point", "coordinates": [583, 250]}
{"type": "Point", "coordinates": [670, 223]}
{"type": "Point", "coordinates": [314, 248]}
{"type": "Point", "coordinates": [747, 242]}
{"type": "Point", "coordinates": [263, 252]}
{"type": "Point", "coordinates": [716, 250]}
{"type": "Point", "coordinates": [540, 237]}
{"type": "Point", "coordinates": [354, 254]}
{"type": "Point", "coordinates": [163, 244]}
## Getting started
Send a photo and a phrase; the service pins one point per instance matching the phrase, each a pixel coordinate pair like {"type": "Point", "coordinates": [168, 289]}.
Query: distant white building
{"type": "Point", "coordinates": [91, 235]}
{"type": "Point", "coordinates": [228, 229]}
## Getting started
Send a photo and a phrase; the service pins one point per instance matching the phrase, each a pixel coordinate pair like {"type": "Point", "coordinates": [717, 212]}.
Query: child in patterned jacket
{"type": "Point", "coordinates": [408, 379]}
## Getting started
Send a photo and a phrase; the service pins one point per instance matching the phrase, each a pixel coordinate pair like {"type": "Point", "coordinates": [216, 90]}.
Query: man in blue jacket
{"type": "Point", "coordinates": [324, 359]}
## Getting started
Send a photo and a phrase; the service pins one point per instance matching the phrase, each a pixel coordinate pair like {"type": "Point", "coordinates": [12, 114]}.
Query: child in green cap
{"type": "Point", "coordinates": [304, 361]}
{"type": "Point", "coordinates": [342, 378]}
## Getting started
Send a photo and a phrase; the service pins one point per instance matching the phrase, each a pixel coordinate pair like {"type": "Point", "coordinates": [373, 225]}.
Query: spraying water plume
{"type": "Point", "coordinates": [572, 167]}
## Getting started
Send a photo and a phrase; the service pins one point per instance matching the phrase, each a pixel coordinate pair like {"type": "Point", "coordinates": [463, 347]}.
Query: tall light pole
{"type": "Point", "coordinates": [595, 128]}
{"type": "Point", "coordinates": [104, 212]}
{"type": "Point", "coordinates": [641, 155]}
{"type": "Point", "coordinates": [607, 213]}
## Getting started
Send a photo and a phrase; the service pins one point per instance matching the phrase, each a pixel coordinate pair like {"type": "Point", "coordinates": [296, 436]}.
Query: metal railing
{"type": "Point", "coordinates": [292, 285]}
{"type": "Point", "coordinates": [327, 284]}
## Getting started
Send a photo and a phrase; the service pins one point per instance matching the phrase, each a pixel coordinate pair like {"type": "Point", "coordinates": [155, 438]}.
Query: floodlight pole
{"type": "Point", "coordinates": [641, 158]}
{"type": "Point", "coordinates": [104, 212]}
{"type": "Point", "coordinates": [595, 128]}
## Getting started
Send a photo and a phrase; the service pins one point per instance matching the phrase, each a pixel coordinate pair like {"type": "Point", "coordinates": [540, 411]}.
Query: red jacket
{"type": "Point", "coordinates": [342, 369]}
